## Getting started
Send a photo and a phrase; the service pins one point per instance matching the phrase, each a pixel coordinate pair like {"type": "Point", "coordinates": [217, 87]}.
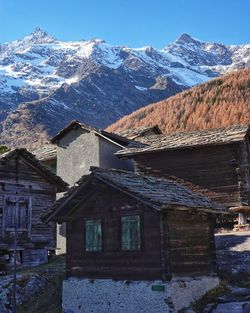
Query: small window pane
{"type": "Point", "coordinates": [131, 233]}
{"type": "Point", "coordinates": [93, 235]}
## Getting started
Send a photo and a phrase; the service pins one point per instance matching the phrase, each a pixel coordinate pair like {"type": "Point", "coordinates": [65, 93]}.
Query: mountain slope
{"type": "Point", "coordinates": [45, 82]}
{"type": "Point", "coordinates": [221, 102]}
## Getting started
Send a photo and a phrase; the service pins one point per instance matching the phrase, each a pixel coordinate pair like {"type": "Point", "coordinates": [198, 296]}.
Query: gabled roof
{"type": "Point", "coordinates": [134, 133]}
{"type": "Point", "coordinates": [209, 137]}
{"type": "Point", "coordinates": [154, 192]}
{"type": "Point", "coordinates": [114, 138]}
{"type": "Point", "coordinates": [30, 159]}
{"type": "Point", "coordinates": [46, 152]}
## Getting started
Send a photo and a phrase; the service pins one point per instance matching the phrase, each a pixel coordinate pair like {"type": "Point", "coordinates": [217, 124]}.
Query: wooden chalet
{"type": "Point", "coordinates": [216, 161]}
{"type": "Point", "coordinates": [27, 190]}
{"type": "Point", "coordinates": [122, 225]}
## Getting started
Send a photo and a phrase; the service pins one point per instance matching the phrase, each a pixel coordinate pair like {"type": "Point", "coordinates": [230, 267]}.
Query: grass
{"type": "Point", "coordinates": [49, 300]}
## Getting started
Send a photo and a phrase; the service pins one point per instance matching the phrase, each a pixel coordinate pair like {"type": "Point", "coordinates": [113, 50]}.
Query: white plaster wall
{"type": "Point", "coordinates": [108, 296]}
{"type": "Point", "coordinates": [184, 291]}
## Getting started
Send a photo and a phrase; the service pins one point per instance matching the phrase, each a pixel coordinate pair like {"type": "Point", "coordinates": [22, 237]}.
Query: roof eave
{"type": "Point", "coordinates": [214, 210]}
{"type": "Point", "coordinates": [122, 153]}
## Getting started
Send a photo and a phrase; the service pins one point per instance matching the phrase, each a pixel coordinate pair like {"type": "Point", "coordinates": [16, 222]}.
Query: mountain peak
{"type": "Point", "coordinates": [40, 32]}
{"type": "Point", "coordinates": [40, 36]}
{"type": "Point", "coordinates": [186, 38]}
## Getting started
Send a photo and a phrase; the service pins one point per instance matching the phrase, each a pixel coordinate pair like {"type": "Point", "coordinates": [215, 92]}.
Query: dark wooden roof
{"type": "Point", "coordinates": [115, 138]}
{"type": "Point", "coordinates": [37, 166]}
{"type": "Point", "coordinates": [46, 152]}
{"type": "Point", "coordinates": [134, 133]}
{"type": "Point", "coordinates": [209, 137]}
{"type": "Point", "coordinates": [157, 193]}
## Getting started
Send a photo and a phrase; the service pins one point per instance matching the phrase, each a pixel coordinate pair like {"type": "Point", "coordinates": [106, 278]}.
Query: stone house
{"type": "Point", "coordinates": [132, 241]}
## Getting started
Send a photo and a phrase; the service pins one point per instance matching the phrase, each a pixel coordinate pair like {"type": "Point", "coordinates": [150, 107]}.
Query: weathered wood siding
{"type": "Point", "coordinates": [211, 168]}
{"type": "Point", "coordinates": [109, 205]}
{"type": "Point", "coordinates": [243, 171]}
{"type": "Point", "coordinates": [172, 242]}
{"type": "Point", "coordinates": [191, 243]}
{"type": "Point", "coordinates": [19, 179]}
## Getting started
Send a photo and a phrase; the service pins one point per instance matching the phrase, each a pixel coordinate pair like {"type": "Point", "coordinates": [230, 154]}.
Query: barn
{"type": "Point", "coordinates": [27, 190]}
{"type": "Point", "coordinates": [131, 235]}
{"type": "Point", "coordinates": [216, 161]}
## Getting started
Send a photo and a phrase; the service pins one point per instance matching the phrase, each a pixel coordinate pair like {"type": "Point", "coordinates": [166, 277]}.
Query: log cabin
{"type": "Point", "coordinates": [215, 161]}
{"type": "Point", "coordinates": [27, 189]}
{"type": "Point", "coordinates": [121, 227]}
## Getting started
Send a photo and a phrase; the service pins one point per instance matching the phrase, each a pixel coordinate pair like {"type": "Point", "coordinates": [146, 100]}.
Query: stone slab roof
{"type": "Point", "coordinates": [134, 133]}
{"type": "Point", "coordinates": [183, 140]}
{"type": "Point", "coordinates": [36, 164]}
{"type": "Point", "coordinates": [157, 193]}
{"type": "Point", "coordinates": [115, 138]}
{"type": "Point", "coordinates": [46, 152]}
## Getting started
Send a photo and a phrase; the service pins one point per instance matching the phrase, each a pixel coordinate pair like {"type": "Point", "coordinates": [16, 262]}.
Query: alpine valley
{"type": "Point", "coordinates": [45, 83]}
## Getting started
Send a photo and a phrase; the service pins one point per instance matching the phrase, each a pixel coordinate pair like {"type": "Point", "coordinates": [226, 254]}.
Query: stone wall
{"type": "Point", "coordinates": [108, 296]}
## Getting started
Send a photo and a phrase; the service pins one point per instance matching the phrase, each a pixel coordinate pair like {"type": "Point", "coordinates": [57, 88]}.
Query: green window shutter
{"type": "Point", "coordinates": [93, 229]}
{"type": "Point", "coordinates": [131, 232]}
{"type": "Point", "coordinates": [53, 167]}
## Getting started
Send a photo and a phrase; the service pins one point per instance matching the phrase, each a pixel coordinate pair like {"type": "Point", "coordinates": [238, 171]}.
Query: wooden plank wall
{"type": "Point", "coordinates": [191, 243]}
{"type": "Point", "coordinates": [211, 168]}
{"type": "Point", "coordinates": [243, 171]}
{"type": "Point", "coordinates": [22, 180]}
{"type": "Point", "coordinates": [109, 205]}
{"type": "Point", "coordinates": [178, 243]}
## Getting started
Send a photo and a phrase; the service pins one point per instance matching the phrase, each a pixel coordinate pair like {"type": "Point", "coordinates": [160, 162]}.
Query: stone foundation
{"type": "Point", "coordinates": [108, 296]}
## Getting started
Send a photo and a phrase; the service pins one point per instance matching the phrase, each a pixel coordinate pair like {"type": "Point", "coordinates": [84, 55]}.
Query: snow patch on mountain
{"type": "Point", "coordinates": [98, 82]}
{"type": "Point", "coordinates": [33, 62]}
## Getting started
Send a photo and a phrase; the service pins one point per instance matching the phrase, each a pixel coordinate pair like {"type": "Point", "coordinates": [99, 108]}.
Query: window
{"type": "Point", "coordinates": [93, 231]}
{"type": "Point", "coordinates": [17, 214]}
{"type": "Point", "coordinates": [131, 232]}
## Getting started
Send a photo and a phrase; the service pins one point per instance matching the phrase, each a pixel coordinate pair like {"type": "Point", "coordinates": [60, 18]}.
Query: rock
{"type": "Point", "coordinates": [237, 295]}
{"type": "Point", "coordinates": [210, 307]}
{"type": "Point", "coordinates": [246, 307]}
{"type": "Point", "coordinates": [233, 307]}
{"type": "Point", "coordinates": [189, 310]}
{"type": "Point", "coordinates": [27, 286]}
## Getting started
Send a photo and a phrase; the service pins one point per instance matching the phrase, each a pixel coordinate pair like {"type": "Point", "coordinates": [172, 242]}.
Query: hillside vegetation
{"type": "Point", "coordinates": [221, 102]}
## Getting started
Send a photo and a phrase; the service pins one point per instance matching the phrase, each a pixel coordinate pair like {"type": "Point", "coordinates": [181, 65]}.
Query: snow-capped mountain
{"type": "Point", "coordinates": [45, 82]}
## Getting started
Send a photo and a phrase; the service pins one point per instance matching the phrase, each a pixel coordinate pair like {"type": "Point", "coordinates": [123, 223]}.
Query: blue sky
{"type": "Point", "coordinates": [128, 22]}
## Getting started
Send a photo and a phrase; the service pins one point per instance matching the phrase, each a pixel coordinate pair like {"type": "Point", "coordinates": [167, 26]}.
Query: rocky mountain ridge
{"type": "Point", "coordinates": [45, 82]}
